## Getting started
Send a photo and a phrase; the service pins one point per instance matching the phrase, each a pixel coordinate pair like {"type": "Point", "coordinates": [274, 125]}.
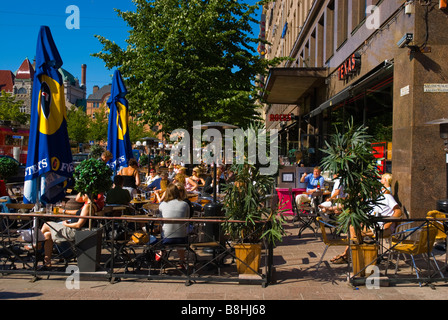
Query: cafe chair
{"type": "Point", "coordinates": [329, 242]}
{"type": "Point", "coordinates": [414, 241]}
{"type": "Point", "coordinates": [305, 214]}
{"type": "Point", "coordinates": [441, 237]}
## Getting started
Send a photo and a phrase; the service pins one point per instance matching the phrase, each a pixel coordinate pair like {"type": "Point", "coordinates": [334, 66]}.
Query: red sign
{"type": "Point", "coordinates": [280, 117]}
{"type": "Point", "coordinates": [352, 64]}
{"type": "Point", "coordinates": [379, 152]}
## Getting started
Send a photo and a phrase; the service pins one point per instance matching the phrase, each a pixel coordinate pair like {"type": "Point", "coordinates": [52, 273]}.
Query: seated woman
{"type": "Point", "coordinates": [386, 207]}
{"type": "Point", "coordinates": [386, 181]}
{"type": "Point", "coordinates": [196, 177]}
{"type": "Point", "coordinates": [174, 207]}
{"type": "Point", "coordinates": [57, 232]}
{"type": "Point", "coordinates": [208, 187]}
{"type": "Point", "coordinates": [182, 178]}
{"type": "Point", "coordinates": [131, 177]}
{"type": "Point", "coordinates": [161, 187]}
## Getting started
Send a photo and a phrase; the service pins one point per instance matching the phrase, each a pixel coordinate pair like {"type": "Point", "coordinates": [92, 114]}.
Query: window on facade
{"type": "Point", "coordinates": [342, 21]}
{"type": "Point", "coordinates": [312, 62]}
{"type": "Point", "coordinates": [320, 43]}
{"type": "Point", "coordinates": [358, 12]}
{"type": "Point", "coordinates": [329, 31]}
{"type": "Point", "coordinates": [22, 91]}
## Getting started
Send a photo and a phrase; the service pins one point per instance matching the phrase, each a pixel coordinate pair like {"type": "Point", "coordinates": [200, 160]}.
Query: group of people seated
{"type": "Point", "coordinates": [173, 204]}
{"type": "Point", "coordinates": [386, 206]}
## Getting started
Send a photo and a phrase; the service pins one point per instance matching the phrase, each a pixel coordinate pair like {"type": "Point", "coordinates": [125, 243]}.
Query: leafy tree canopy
{"type": "Point", "coordinates": [189, 60]}
{"type": "Point", "coordinates": [10, 109]}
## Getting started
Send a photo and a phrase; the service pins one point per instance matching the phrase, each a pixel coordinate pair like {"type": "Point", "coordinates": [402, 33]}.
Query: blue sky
{"type": "Point", "coordinates": [20, 22]}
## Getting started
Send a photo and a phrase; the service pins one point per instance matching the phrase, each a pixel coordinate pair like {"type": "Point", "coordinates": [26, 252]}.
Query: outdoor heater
{"type": "Point", "coordinates": [214, 208]}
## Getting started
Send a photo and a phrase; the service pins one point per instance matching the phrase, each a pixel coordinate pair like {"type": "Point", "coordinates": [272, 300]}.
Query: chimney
{"type": "Point", "coordinates": [95, 89]}
{"type": "Point", "coordinates": [83, 75]}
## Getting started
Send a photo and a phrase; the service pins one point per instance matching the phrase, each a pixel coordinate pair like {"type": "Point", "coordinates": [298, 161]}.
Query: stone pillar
{"type": "Point", "coordinates": [418, 151]}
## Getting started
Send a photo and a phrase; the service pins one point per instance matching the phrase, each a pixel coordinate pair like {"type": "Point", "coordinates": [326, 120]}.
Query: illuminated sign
{"type": "Point", "coordinates": [350, 66]}
{"type": "Point", "coordinates": [280, 117]}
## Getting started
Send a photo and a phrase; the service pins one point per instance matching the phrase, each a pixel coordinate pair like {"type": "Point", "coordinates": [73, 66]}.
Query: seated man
{"type": "Point", "coordinates": [118, 195]}
{"type": "Point", "coordinates": [312, 180]}
{"type": "Point", "coordinates": [330, 205]}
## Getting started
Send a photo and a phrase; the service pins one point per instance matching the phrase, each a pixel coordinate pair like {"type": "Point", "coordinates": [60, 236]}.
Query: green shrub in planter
{"type": "Point", "coordinates": [92, 177]}
{"type": "Point", "coordinates": [8, 168]}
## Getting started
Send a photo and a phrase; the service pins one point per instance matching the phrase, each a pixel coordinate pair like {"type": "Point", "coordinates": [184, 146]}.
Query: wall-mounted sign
{"type": "Point", "coordinates": [350, 66]}
{"type": "Point", "coordinates": [435, 87]}
{"type": "Point", "coordinates": [280, 117]}
{"type": "Point", "coordinates": [404, 91]}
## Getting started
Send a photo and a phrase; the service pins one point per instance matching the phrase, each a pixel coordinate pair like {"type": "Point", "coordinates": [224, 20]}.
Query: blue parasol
{"type": "Point", "coordinates": [49, 162]}
{"type": "Point", "coordinates": [118, 141]}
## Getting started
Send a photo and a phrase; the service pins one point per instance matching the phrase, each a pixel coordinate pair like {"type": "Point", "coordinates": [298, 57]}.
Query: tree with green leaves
{"type": "Point", "coordinates": [10, 109]}
{"type": "Point", "coordinates": [189, 61]}
{"type": "Point", "coordinates": [77, 122]}
{"type": "Point", "coordinates": [98, 126]}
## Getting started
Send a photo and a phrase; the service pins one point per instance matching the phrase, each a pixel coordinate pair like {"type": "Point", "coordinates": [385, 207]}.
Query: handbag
{"type": "Point", "coordinates": [140, 237]}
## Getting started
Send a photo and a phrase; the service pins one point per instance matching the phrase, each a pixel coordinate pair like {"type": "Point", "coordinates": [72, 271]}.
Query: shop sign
{"type": "Point", "coordinates": [280, 117]}
{"type": "Point", "coordinates": [435, 87]}
{"type": "Point", "coordinates": [350, 66]}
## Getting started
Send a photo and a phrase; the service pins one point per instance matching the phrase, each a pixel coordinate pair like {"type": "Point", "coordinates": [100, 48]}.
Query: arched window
{"type": "Point", "coordinates": [22, 91]}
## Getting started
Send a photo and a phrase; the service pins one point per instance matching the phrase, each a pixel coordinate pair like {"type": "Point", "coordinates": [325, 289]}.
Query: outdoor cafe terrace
{"type": "Point", "coordinates": [119, 246]}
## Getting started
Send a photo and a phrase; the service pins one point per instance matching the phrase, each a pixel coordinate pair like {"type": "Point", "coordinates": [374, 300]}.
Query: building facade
{"type": "Point", "coordinates": [98, 100]}
{"type": "Point", "coordinates": [14, 137]}
{"type": "Point", "coordinates": [379, 62]}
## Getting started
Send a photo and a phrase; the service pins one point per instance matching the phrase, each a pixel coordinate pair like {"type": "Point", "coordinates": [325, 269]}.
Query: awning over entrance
{"type": "Point", "coordinates": [341, 96]}
{"type": "Point", "coordinates": [376, 73]}
{"type": "Point", "coordinates": [287, 85]}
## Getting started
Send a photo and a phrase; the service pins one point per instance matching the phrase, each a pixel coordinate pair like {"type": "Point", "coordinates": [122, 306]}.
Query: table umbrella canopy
{"type": "Point", "coordinates": [215, 125]}
{"type": "Point", "coordinates": [118, 141]}
{"type": "Point", "coordinates": [49, 162]}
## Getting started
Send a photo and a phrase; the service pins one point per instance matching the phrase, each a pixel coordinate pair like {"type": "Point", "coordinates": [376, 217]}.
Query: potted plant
{"type": "Point", "coordinates": [245, 200]}
{"type": "Point", "coordinates": [350, 155]}
{"type": "Point", "coordinates": [8, 168]}
{"type": "Point", "coordinates": [92, 177]}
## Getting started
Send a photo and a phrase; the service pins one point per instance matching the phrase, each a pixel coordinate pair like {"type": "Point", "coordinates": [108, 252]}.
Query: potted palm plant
{"type": "Point", "coordinates": [92, 177]}
{"type": "Point", "coordinates": [350, 155]}
{"type": "Point", "coordinates": [245, 200]}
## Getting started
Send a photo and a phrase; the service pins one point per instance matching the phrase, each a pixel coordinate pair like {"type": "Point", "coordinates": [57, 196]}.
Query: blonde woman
{"type": "Point", "coordinates": [196, 177]}
{"type": "Point", "coordinates": [386, 180]}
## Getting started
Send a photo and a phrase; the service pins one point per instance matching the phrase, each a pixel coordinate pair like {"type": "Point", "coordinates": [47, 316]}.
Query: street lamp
{"type": "Point", "coordinates": [213, 208]}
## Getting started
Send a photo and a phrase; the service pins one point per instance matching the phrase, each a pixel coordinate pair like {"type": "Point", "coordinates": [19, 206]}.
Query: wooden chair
{"type": "Point", "coordinates": [304, 214]}
{"type": "Point", "coordinates": [329, 242]}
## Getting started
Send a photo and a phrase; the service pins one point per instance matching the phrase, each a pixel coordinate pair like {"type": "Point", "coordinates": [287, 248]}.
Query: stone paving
{"type": "Point", "coordinates": [296, 278]}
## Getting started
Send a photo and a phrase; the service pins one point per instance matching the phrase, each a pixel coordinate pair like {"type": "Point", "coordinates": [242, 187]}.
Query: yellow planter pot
{"type": "Point", "coordinates": [251, 255]}
{"type": "Point", "coordinates": [363, 255]}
